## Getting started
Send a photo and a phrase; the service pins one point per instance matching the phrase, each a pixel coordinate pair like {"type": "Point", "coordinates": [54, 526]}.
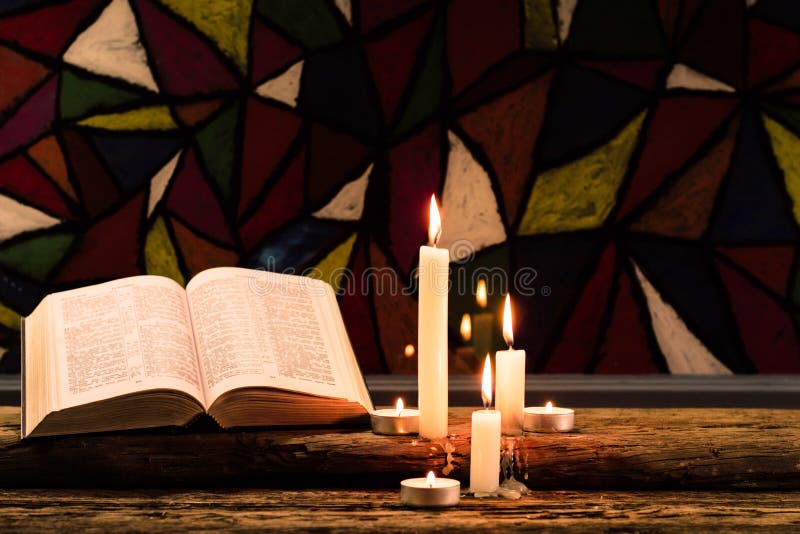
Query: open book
{"type": "Point", "coordinates": [250, 348]}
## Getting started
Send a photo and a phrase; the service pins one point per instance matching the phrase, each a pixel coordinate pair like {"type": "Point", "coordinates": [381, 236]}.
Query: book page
{"type": "Point", "coordinates": [259, 329]}
{"type": "Point", "coordinates": [123, 337]}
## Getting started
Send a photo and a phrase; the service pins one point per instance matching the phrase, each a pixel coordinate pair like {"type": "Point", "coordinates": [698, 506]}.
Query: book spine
{"type": "Point", "coordinates": [22, 378]}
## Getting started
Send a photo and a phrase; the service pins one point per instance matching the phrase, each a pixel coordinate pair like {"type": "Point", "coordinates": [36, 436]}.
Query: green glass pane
{"type": "Point", "coordinates": [627, 28]}
{"type": "Point", "coordinates": [426, 94]}
{"type": "Point", "coordinates": [37, 256]}
{"type": "Point", "coordinates": [217, 141]}
{"type": "Point", "coordinates": [81, 95]}
{"type": "Point", "coordinates": [789, 116]}
{"type": "Point", "coordinates": [312, 22]}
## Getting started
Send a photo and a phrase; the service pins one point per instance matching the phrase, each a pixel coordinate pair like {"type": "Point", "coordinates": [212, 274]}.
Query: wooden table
{"type": "Point", "coordinates": [346, 510]}
{"type": "Point", "coordinates": [624, 449]}
{"type": "Point", "coordinates": [623, 469]}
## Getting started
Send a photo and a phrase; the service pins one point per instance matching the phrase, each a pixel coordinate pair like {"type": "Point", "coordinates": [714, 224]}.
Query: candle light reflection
{"type": "Point", "coordinates": [480, 293]}
{"type": "Point", "coordinates": [466, 327]}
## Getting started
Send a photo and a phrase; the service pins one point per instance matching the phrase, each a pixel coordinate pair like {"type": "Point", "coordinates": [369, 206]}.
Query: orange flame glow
{"type": "Point", "coordinates": [480, 293]}
{"type": "Point", "coordinates": [508, 328]}
{"type": "Point", "coordinates": [434, 224]}
{"type": "Point", "coordinates": [486, 387]}
{"type": "Point", "coordinates": [466, 327]}
{"type": "Point", "coordinates": [431, 479]}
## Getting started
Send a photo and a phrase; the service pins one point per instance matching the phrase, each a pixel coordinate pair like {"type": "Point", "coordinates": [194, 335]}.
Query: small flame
{"type": "Point", "coordinates": [480, 293]}
{"type": "Point", "coordinates": [466, 327]}
{"type": "Point", "coordinates": [409, 350]}
{"type": "Point", "coordinates": [435, 224]}
{"type": "Point", "coordinates": [431, 479]}
{"type": "Point", "coordinates": [399, 406]}
{"type": "Point", "coordinates": [508, 328]}
{"type": "Point", "coordinates": [486, 388]}
{"type": "Point", "coordinates": [548, 408]}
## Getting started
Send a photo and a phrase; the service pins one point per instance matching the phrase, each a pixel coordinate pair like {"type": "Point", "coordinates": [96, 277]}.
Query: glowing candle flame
{"type": "Point", "coordinates": [431, 479]}
{"type": "Point", "coordinates": [508, 329]}
{"type": "Point", "coordinates": [435, 224]}
{"type": "Point", "coordinates": [466, 327]}
{"type": "Point", "coordinates": [399, 406]}
{"type": "Point", "coordinates": [409, 350]}
{"type": "Point", "coordinates": [548, 408]}
{"type": "Point", "coordinates": [480, 293]}
{"type": "Point", "coordinates": [486, 388]}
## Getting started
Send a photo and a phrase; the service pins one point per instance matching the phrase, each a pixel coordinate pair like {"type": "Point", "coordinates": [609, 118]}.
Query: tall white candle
{"type": "Point", "coordinates": [434, 265]}
{"type": "Point", "coordinates": [510, 379]}
{"type": "Point", "coordinates": [484, 454]}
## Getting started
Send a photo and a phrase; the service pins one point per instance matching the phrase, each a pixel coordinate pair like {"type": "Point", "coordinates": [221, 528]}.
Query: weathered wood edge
{"type": "Point", "coordinates": [379, 510]}
{"type": "Point", "coordinates": [612, 449]}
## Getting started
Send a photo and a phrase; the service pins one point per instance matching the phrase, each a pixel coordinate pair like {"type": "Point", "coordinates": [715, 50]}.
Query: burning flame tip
{"type": "Point", "coordinates": [434, 223]}
{"type": "Point", "coordinates": [508, 328]}
{"type": "Point", "coordinates": [548, 408]}
{"type": "Point", "coordinates": [399, 406]}
{"type": "Point", "coordinates": [431, 479]}
{"type": "Point", "coordinates": [486, 389]}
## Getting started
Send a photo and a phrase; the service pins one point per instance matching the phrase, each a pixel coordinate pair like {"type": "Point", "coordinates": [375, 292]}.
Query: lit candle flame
{"type": "Point", "coordinates": [431, 479]}
{"type": "Point", "coordinates": [435, 224]}
{"type": "Point", "coordinates": [508, 329]}
{"type": "Point", "coordinates": [548, 408]}
{"type": "Point", "coordinates": [480, 293]}
{"type": "Point", "coordinates": [466, 327]}
{"type": "Point", "coordinates": [486, 388]}
{"type": "Point", "coordinates": [409, 350]}
{"type": "Point", "coordinates": [399, 406]}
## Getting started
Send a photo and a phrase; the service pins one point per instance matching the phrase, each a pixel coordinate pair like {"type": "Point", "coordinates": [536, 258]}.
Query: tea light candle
{"type": "Point", "coordinates": [549, 418]}
{"type": "Point", "coordinates": [430, 492]}
{"type": "Point", "coordinates": [484, 453]}
{"type": "Point", "coordinates": [434, 270]}
{"type": "Point", "coordinates": [395, 421]}
{"type": "Point", "coordinates": [510, 379]}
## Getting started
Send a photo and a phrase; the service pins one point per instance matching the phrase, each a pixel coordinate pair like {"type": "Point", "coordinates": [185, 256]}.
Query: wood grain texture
{"type": "Point", "coordinates": [611, 449]}
{"type": "Point", "coordinates": [379, 510]}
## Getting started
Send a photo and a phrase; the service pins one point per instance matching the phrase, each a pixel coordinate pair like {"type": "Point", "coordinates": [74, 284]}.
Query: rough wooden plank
{"type": "Point", "coordinates": [612, 449]}
{"type": "Point", "coordinates": [379, 510]}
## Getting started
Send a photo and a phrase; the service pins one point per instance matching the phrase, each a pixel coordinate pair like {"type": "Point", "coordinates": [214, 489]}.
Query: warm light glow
{"type": "Point", "coordinates": [399, 406]}
{"type": "Point", "coordinates": [486, 388]}
{"type": "Point", "coordinates": [466, 327]}
{"type": "Point", "coordinates": [508, 329]}
{"type": "Point", "coordinates": [409, 351]}
{"type": "Point", "coordinates": [480, 293]}
{"type": "Point", "coordinates": [435, 224]}
{"type": "Point", "coordinates": [431, 479]}
{"type": "Point", "coordinates": [548, 408]}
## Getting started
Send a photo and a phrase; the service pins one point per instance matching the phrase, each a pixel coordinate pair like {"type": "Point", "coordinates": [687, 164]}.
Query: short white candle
{"type": "Point", "coordinates": [484, 455]}
{"type": "Point", "coordinates": [434, 267]}
{"type": "Point", "coordinates": [549, 418]}
{"type": "Point", "coordinates": [510, 379]}
{"type": "Point", "coordinates": [430, 492]}
{"type": "Point", "coordinates": [395, 421]}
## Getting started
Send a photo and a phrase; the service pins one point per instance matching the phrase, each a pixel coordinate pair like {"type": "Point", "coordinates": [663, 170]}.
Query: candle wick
{"type": "Point", "coordinates": [436, 237]}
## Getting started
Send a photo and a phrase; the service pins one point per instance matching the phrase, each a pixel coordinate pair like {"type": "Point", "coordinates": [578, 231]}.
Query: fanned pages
{"type": "Point", "coordinates": [248, 347]}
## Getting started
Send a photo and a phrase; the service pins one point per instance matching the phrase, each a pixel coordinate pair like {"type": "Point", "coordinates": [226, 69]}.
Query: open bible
{"type": "Point", "coordinates": [250, 348]}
